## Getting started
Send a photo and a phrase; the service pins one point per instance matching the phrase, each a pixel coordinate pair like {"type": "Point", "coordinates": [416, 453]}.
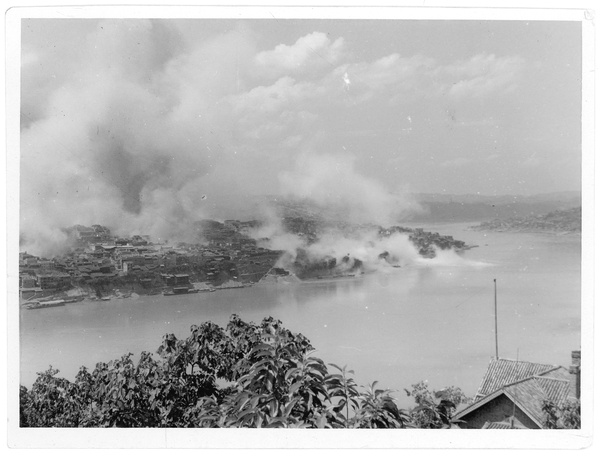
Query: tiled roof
{"type": "Point", "coordinates": [556, 390]}
{"type": "Point", "coordinates": [529, 394]}
{"type": "Point", "coordinates": [563, 373]}
{"type": "Point", "coordinates": [503, 371]}
{"type": "Point", "coordinates": [557, 372]}
{"type": "Point", "coordinates": [500, 425]}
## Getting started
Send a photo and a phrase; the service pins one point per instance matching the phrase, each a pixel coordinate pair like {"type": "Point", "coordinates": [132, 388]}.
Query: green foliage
{"type": "Point", "coordinates": [344, 389]}
{"type": "Point", "coordinates": [565, 416]}
{"type": "Point", "coordinates": [56, 402]}
{"type": "Point", "coordinates": [378, 410]}
{"type": "Point", "coordinates": [434, 410]}
{"type": "Point", "coordinates": [571, 414]}
{"type": "Point", "coordinates": [244, 375]}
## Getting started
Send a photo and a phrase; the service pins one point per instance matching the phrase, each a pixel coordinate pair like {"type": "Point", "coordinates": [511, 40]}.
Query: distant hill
{"type": "Point", "coordinates": [565, 197]}
{"type": "Point", "coordinates": [480, 208]}
{"type": "Point", "coordinates": [436, 207]}
{"type": "Point", "coordinates": [559, 222]}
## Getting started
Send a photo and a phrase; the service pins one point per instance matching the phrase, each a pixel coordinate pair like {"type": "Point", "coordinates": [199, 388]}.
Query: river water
{"type": "Point", "coordinates": [429, 321]}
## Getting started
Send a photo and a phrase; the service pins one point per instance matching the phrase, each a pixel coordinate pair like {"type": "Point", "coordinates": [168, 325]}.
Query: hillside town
{"type": "Point", "coordinates": [100, 265]}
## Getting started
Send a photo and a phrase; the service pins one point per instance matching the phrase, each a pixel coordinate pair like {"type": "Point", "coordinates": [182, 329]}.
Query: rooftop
{"type": "Point", "coordinates": [503, 371]}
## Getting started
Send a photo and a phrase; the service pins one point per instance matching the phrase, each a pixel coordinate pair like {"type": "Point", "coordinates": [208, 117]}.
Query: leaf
{"type": "Point", "coordinates": [291, 372]}
{"type": "Point", "coordinates": [245, 413]}
{"type": "Point", "coordinates": [337, 367]}
{"type": "Point", "coordinates": [294, 387]}
{"type": "Point", "coordinates": [421, 408]}
{"type": "Point", "coordinates": [289, 407]}
{"type": "Point", "coordinates": [273, 407]}
{"type": "Point", "coordinates": [340, 406]}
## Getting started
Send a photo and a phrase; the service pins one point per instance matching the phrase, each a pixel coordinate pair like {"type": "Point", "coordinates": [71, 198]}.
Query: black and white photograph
{"type": "Point", "coordinates": [342, 221]}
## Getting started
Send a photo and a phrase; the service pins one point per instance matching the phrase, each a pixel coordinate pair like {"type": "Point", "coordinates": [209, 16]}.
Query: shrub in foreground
{"type": "Point", "coordinates": [243, 375]}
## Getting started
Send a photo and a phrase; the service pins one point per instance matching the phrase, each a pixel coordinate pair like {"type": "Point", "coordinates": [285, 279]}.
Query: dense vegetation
{"type": "Point", "coordinates": [243, 375]}
{"type": "Point", "coordinates": [564, 416]}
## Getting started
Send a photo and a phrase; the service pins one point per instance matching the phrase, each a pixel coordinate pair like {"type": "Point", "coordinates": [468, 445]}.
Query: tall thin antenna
{"type": "Point", "coordinates": [496, 317]}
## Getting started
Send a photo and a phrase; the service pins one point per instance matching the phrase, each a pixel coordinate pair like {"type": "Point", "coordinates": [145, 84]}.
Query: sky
{"type": "Point", "coordinates": [146, 125]}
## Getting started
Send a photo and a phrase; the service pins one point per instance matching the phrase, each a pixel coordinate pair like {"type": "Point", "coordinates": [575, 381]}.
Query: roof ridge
{"type": "Point", "coordinates": [531, 377]}
{"type": "Point", "coordinates": [554, 366]}
{"type": "Point", "coordinates": [551, 378]}
{"type": "Point", "coordinates": [516, 368]}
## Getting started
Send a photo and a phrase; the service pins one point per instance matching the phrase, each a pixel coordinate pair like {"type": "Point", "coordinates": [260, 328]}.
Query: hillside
{"type": "Point", "coordinates": [480, 208]}
{"type": "Point", "coordinates": [560, 222]}
{"type": "Point", "coordinates": [435, 207]}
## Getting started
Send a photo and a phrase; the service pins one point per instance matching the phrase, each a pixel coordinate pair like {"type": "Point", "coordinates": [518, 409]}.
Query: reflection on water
{"type": "Point", "coordinates": [430, 321]}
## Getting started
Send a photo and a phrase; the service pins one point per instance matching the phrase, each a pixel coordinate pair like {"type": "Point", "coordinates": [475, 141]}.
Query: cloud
{"type": "Point", "coordinates": [310, 52]}
{"type": "Point", "coordinates": [277, 110]}
{"type": "Point", "coordinates": [482, 75]}
{"type": "Point", "coordinates": [391, 77]}
{"type": "Point", "coordinates": [280, 96]}
{"type": "Point", "coordinates": [268, 110]}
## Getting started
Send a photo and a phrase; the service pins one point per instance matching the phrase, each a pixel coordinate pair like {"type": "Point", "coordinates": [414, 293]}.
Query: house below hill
{"type": "Point", "coordinates": [512, 394]}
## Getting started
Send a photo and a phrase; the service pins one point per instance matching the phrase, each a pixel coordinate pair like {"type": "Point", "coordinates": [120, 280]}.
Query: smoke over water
{"type": "Point", "coordinates": [146, 127]}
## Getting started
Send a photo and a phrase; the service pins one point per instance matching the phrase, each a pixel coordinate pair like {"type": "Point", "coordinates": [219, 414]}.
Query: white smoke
{"type": "Point", "coordinates": [147, 126]}
{"type": "Point", "coordinates": [367, 248]}
{"type": "Point", "coordinates": [342, 197]}
{"type": "Point", "coordinates": [332, 182]}
{"type": "Point", "coordinates": [128, 137]}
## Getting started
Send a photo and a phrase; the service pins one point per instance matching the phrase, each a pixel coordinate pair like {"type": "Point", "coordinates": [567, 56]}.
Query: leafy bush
{"type": "Point", "coordinates": [565, 416]}
{"type": "Point", "coordinates": [244, 375]}
{"type": "Point", "coordinates": [434, 410]}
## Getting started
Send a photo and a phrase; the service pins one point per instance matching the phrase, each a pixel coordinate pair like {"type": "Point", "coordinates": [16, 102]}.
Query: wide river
{"type": "Point", "coordinates": [430, 321]}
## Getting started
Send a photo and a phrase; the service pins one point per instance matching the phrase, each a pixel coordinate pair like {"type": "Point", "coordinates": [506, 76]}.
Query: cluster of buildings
{"type": "Point", "coordinates": [100, 260]}
{"type": "Point", "coordinates": [225, 253]}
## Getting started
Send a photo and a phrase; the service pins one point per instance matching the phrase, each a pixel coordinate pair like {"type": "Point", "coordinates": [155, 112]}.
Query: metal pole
{"type": "Point", "coordinates": [496, 316]}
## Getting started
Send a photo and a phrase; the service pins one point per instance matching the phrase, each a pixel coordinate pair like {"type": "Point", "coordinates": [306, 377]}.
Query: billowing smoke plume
{"type": "Point", "coordinates": [147, 126]}
{"type": "Point", "coordinates": [350, 209]}
{"type": "Point", "coordinates": [332, 182]}
{"type": "Point", "coordinates": [130, 134]}
{"type": "Point", "coordinates": [352, 252]}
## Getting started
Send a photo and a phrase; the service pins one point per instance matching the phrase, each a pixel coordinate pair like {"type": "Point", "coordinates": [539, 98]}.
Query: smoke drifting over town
{"type": "Point", "coordinates": [127, 135]}
{"type": "Point", "coordinates": [136, 127]}
{"type": "Point", "coordinates": [366, 245]}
